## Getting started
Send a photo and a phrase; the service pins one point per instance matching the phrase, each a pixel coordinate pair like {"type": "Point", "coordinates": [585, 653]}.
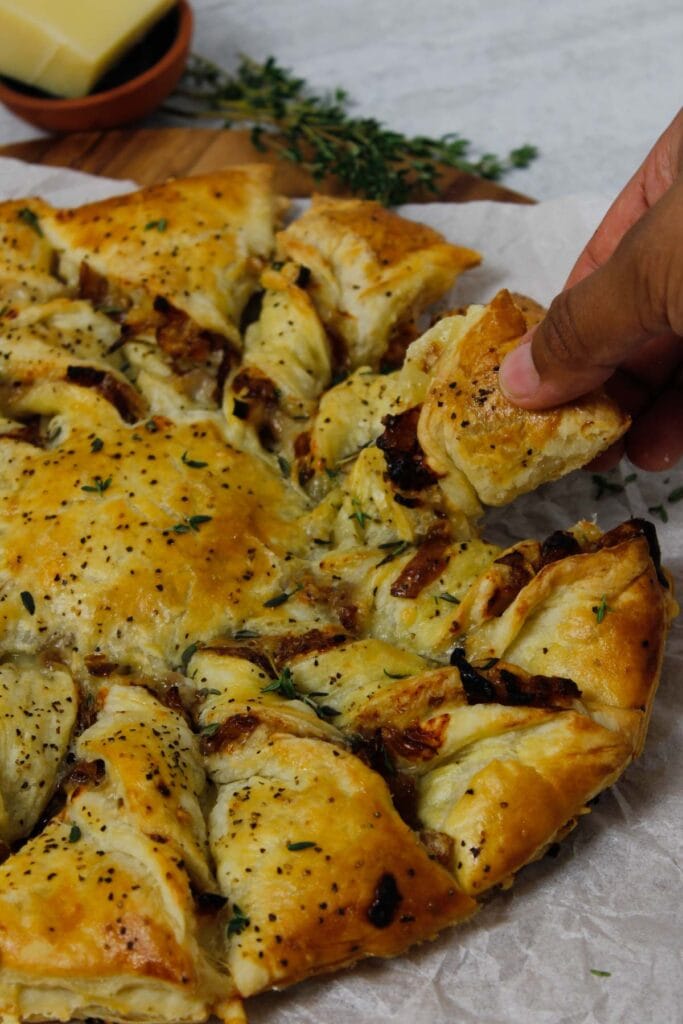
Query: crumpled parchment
{"type": "Point", "coordinates": [610, 902]}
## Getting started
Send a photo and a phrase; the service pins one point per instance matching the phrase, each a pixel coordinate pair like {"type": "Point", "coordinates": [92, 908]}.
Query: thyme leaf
{"type": "Point", "coordinates": [211, 729]}
{"type": "Point", "coordinates": [396, 548]}
{"type": "Point", "coordinates": [191, 524]}
{"type": "Point", "coordinates": [659, 510]}
{"type": "Point", "coordinates": [358, 514]}
{"type": "Point", "coordinates": [98, 486]}
{"type": "Point", "coordinates": [275, 602]}
{"type": "Point", "coordinates": [161, 224]}
{"type": "Point", "coordinates": [283, 685]}
{"type": "Point", "coordinates": [601, 609]}
{"type": "Point", "coordinates": [30, 219]}
{"type": "Point", "coordinates": [193, 463]}
{"type": "Point", "coordinates": [238, 921]}
{"type": "Point", "coordinates": [28, 601]}
{"type": "Point", "coordinates": [187, 656]}
{"type": "Point", "coordinates": [604, 486]}
{"type": "Point", "coordinates": [305, 844]}
{"type": "Point", "coordinates": [323, 711]}
{"type": "Point", "coordinates": [196, 521]}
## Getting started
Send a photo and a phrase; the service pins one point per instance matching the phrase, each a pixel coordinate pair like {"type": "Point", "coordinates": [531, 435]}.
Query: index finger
{"type": "Point", "coordinates": [655, 175]}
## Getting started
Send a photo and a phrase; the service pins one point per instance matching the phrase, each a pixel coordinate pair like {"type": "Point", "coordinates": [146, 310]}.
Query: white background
{"type": "Point", "coordinates": [590, 82]}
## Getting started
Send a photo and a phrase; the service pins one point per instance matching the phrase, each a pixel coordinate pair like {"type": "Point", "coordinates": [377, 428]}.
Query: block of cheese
{"type": "Point", "coordinates": [64, 46]}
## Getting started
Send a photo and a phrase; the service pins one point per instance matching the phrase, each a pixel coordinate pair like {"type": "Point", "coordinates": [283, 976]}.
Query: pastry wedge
{"type": "Point", "coordinates": [371, 273]}
{"type": "Point", "coordinates": [105, 912]}
{"type": "Point", "coordinates": [39, 704]}
{"type": "Point", "coordinates": [126, 252]}
{"type": "Point", "coordinates": [480, 442]}
{"type": "Point", "coordinates": [318, 865]}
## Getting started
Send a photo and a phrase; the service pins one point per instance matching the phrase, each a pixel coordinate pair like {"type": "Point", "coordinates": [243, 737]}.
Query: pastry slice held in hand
{"type": "Point", "coordinates": [444, 411]}
{"type": "Point", "coordinates": [480, 442]}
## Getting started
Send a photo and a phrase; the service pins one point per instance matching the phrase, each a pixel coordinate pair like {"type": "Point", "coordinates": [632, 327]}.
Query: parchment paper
{"type": "Point", "coordinates": [611, 900]}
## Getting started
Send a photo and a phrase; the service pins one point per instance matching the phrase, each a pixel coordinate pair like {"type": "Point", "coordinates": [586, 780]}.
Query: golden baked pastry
{"type": "Point", "coordinates": [26, 257]}
{"type": "Point", "coordinates": [98, 913]}
{"type": "Point", "coordinates": [180, 258]}
{"type": "Point", "coordinates": [477, 439]}
{"type": "Point", "coordinates": [372, 272]}
{"type": "Point", "coordinates": [39, 709]}
{"type": "Point", "coordinates": [269, 703]}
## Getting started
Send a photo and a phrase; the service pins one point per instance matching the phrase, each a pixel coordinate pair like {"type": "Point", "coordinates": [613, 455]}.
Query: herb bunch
{"type": "Point", "coordinates": [317, 132]}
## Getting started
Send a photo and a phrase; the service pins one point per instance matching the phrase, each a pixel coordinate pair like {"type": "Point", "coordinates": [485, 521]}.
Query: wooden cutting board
{"type": "Point", "coordinates": [150, 155]}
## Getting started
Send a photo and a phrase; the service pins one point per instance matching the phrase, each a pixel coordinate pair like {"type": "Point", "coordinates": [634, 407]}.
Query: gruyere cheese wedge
{"type": "Point", "coordinates": [65, 47]}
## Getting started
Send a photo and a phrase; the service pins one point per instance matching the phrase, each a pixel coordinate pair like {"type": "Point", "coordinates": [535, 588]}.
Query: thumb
{"type": "Point", "coordinates": [593, 327]}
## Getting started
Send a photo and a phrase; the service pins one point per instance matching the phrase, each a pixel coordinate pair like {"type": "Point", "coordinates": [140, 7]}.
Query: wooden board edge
{"type": "Point", "coordinates": [151, 155]}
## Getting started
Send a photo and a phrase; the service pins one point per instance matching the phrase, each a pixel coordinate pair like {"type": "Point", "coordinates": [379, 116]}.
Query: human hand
{"type": "Point", "coordinates": [619, 319]}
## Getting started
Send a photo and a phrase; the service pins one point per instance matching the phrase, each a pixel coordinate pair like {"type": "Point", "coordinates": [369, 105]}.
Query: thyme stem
{"type": "Point", "coordinates": [317, 132]}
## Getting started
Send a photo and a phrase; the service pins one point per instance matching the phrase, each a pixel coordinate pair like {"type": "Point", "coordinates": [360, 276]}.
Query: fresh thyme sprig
{"type": "Point", "coordinates": [285, 687]}
{"type": "Point", "coordinates": [319, 134]}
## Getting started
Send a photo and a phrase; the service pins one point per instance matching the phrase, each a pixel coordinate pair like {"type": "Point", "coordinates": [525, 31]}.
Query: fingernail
{"type": "Point", "coordinates": [518, 376]}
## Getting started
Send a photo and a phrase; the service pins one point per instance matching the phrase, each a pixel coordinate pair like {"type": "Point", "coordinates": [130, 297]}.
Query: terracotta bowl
{"type": "Point", "coordinates": [130, 91]}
